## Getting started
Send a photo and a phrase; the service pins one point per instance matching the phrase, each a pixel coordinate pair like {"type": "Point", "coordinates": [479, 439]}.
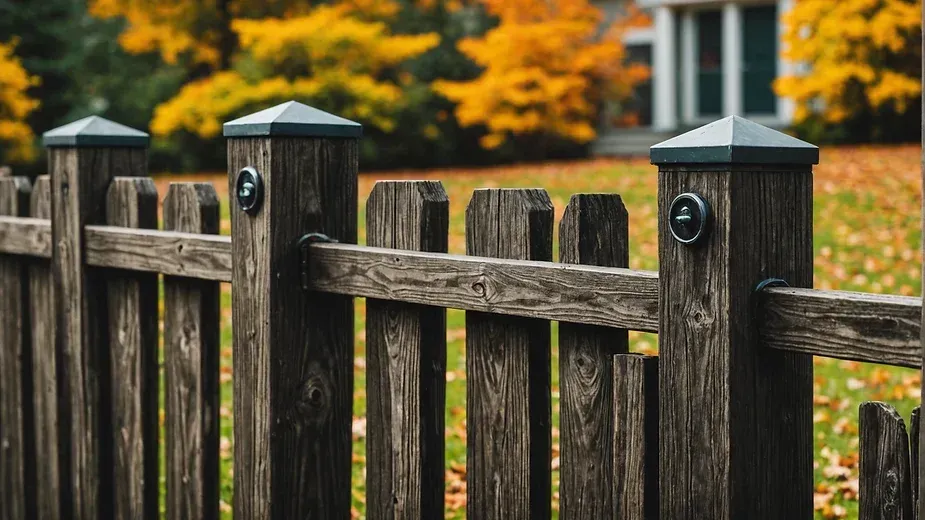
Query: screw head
{"type": "Point", "coordinates": [688, 218]}
{"type": "Point", "coordinates": [249, 187]}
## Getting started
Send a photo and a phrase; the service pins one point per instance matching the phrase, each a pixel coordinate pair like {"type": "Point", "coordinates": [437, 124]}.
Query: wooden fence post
{"type": "Point", "coordinates": [735, 419]}
{"type": "Point", "coordinates": [293, 349]}
{"type": "Point", "coordinates": [508, 370]}
{"type": "Point", "coordinates": [406, 362]}
{"type": "Point", "coordinates": [16, 420]}
{"type": "Point", "coordinates": [83, 157]}
{"type": "Point", "coordinates": [594, 230]}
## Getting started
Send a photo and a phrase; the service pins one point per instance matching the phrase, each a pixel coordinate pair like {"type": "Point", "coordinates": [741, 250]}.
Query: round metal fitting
{"type": "Point", "coordinates": [249, 190]}
{"type": "Point", "coordinates": [688, 218]}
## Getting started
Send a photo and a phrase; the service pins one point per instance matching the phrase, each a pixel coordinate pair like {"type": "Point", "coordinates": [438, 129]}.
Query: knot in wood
{"type": "Point", "coordinates": [311, 402]}
{"type": "Point", "coordinates": [479, 288]}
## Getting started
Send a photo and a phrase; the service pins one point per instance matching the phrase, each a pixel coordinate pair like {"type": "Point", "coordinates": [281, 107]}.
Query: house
{"type": "Point", "coordinates": [708, 60]}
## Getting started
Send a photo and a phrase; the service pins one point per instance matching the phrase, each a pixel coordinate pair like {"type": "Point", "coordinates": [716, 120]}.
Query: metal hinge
{"type": "Point", "coordinates": [304, 246]}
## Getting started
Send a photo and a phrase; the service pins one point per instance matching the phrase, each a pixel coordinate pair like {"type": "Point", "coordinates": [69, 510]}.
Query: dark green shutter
{"type": "Point", "coordinates": [759, 56]}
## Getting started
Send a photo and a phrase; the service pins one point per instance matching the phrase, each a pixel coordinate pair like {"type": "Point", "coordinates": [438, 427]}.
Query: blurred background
{"type": "Point", "coordinates": [459, 82]}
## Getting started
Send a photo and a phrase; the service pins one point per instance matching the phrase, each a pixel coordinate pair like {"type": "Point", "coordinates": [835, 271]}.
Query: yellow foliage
{"type": "Point", "coordinates": [183, 28]}
{"type": "Point", "coordinates": [328, 57]}
{"type": "Point", "coordinates": [858, 52]}
{"type": "Point", "coordinates": [15, 105]}
{"type": "Point", "coordinates": [546, 69]}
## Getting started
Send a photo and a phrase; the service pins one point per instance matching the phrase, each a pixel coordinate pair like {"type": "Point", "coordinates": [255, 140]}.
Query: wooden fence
{"type": "Point", "coordinates": [718, 426]}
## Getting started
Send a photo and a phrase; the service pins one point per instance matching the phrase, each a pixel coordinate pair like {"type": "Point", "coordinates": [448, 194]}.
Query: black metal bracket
{"type": "Point", "coordinates": [767, 283]}
{"type": "Point", "coordinates": [304, 246]}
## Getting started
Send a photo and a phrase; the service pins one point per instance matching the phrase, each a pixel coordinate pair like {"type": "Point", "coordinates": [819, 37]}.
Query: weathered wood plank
{"type": "Point", "coordinates": [79, 180]}
{"type": "Point", "coordinates": [720, 392]}
{"type": "Point", "coordinates": [914, 431]}
{"type": "Point", "coordinates": [885, 487]}
{"type": "Point", "coordinates": [190, 255]}
{"type": "Point", "coordinates": [44, 365]}
{"type": "Point", "coordinates": [872, 328]}
{"type": "Point", "coordinates": [635, 436]}
{"type": "Point", "coordinates": [592, 295]}
{"type": "Point", "coordinates": [25, 236]}
{"type": "Point", "coordinates": [17, 498]}
{"type": "Point", "coordinates": [133, 339]}
{"type": "Point", "coordinates": [594, 230]}
{"type": "Point", "coordinates": [293, 349]}
{"type": "Point", "coordinates": [406, 363]}
{"type": "Point", "coordinates": [508, 368]}
{"type": "Point", "coordinates": [191, 357]}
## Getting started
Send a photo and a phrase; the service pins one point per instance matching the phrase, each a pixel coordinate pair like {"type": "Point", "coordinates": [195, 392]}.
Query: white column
{"type": "Point", "coordinates": [785, 106]}
{"type": "Point", "coordinates": [732, 59]}
{"type": "Point", "coordinates": [688, 67]}
{"type": "Point", "coordinates": [664, 70]}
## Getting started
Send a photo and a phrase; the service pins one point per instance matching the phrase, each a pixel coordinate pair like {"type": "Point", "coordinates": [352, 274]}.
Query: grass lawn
{"type": "Point", "coordinates": [867, 236]}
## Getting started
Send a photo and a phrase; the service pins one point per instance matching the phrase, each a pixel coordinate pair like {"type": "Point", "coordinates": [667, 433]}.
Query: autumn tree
{"type": "Point", "coordinates": [856, 59]}
{"type": "Point", "coordinates": [547, 68]}
{"type": "Point", "coordinates": [15, 106]}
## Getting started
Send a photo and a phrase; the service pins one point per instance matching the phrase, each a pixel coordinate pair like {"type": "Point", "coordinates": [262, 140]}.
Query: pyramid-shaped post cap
{"type": "Point", "coordinates": [292, 119]}
{"type": "Point", "coordinates": [95, 131]}
{"type": "Point", "coordinates": [734, 140]}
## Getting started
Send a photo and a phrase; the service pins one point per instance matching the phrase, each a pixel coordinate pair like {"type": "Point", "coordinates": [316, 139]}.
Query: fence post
{"type": "Point", "coordinates": [292, 170]}
{"type": "Point", "coordinates": [735, 420]}
{"type": "Point", "coordinates": [83, 157]}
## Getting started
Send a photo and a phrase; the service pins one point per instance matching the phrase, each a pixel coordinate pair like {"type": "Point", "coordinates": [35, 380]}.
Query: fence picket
{"type": "Point", "coordinates": [44, 367]}
{"type": "Point", "coordinates": [885, 487]}
{"type": "Point", "coordinates": [132, 298]}
{"type": "Point", "coordinates": [406, 363]}
{"type": "Point", "coordinates": [508, 367]}
{"type": "Point", "coordinates": [191, 356]}
{"type": "Point", "coordinates": [594, 230]}
{"type": "Point", "coordinates": [16, 489]}
{"type": "Point", "coordinates": [635, 436]}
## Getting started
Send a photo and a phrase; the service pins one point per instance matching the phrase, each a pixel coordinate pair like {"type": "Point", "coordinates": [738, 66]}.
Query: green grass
{"type": "Point", "coordinates": [867, 235]}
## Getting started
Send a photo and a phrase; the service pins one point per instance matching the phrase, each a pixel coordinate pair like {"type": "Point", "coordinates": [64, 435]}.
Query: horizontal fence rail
{"type": "Point", "coordinates": [871, 328]}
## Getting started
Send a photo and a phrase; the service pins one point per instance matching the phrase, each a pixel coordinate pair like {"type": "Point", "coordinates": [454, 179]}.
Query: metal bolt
{"type": "Point", "coordinates": [684, 216]}
{"type": "Point", "coordinates": [250, 190]}
{"type": "Point", "coordinates": [688, 218]}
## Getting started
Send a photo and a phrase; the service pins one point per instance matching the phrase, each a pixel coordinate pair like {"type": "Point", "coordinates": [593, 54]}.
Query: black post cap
{"type": "Point", "coordinates": [292, 119]}
{"type": "Point", "coordinates": [734, 140]}
{"type": "Point", "coordinates": [95, 131]}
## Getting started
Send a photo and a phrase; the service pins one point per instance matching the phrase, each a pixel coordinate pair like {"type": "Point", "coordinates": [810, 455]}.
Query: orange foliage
{"type": "Point", "coordinates": [547, 68]}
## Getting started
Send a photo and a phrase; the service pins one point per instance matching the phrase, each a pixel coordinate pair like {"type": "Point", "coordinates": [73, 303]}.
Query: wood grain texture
{"type": "Point", "coordinates": [25, 236]}
{"type": "Point", "coordinates": [914, 432]}
{"type": "Point", "coordinates": [871, 328]}
{"type": "Point", "coordinates": [190, 255]}
{"type": "Point", "coordinates": [508, 411]}
{"type": "Point", "coordinates": [17, 499]}
{"type": "Point", "coordinates": [885, 484]}
{"type": "Point", "coordinates": [724, 402]}
{"type": "Point", "coordinates": [604, 296]}
{"type": "Point", "coordinates": [44, 365]}
{"type": "Point", "coordinates": [192, 328]}
{"type": "Point", "coordinates": [79, 180]}
{"type": "Point", "coordinates": [133, 339]}
{"type": "Point", "coordinates": [635, 437]}
{"type": "Point", "coordinates": [594, 230]}
{"type": "Point", "coordinates": [406, 363]}
{"type": "Point", "coordinates": [293, 349]}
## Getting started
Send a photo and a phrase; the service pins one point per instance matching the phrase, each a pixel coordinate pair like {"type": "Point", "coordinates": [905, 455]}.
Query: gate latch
{"type": "Point", "coordinates": [304, 246]}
